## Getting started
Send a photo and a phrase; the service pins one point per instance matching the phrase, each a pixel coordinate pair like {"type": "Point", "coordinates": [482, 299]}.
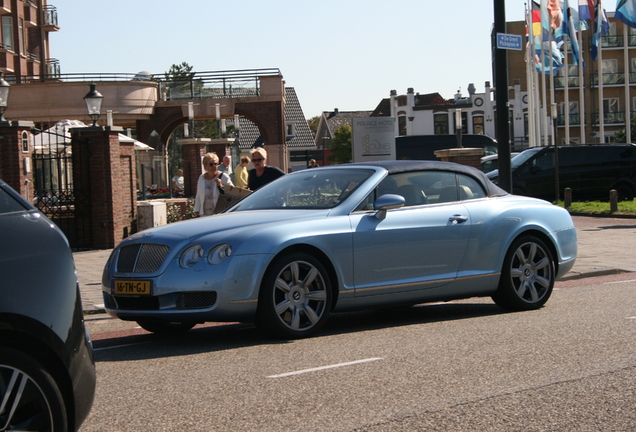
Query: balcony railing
{"type": "Point", "coordinates": [575, 119]}
{"type": "Point", "coordinates": [615, 41]}
{"type": "Point", "coordinates": [610, 118]}
{"type": "Point", "coordinates": [573, 81]}
{"type": "Point", "coordinates": [49, 17]}
{"type": "Point", "coordinates": [221, 84]}
{"type": "Point", "coordinates": [608, 79]}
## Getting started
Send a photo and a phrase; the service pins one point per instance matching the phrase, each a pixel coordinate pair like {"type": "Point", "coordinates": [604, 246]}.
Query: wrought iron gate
{"type": "Point", "coordinates": [54, 175]}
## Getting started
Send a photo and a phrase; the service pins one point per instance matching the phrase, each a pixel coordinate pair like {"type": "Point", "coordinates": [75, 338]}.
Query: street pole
{"type": "Point", "coordinates": [501, 99]}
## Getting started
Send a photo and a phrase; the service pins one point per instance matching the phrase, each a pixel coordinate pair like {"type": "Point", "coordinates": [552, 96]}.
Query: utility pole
{"type": "Point", "coordinates": [501, 99]}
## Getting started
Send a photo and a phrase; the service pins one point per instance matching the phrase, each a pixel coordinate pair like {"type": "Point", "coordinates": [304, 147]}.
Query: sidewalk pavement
{"type": "Point", "coordinates": [604, 248]}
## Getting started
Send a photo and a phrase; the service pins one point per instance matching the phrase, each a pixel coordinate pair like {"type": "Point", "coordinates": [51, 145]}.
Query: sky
{"type": "Point", "coordinates": [341, 54]}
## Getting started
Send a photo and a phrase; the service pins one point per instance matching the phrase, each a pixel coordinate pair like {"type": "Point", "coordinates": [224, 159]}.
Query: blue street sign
{"type": "Point", "coordinates": [509, 41]}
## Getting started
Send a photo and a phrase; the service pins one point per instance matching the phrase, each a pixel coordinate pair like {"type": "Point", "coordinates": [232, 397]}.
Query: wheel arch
{"type": "Point", "coordinates": [324, 260]}
{"type": "Point", "coordinates": [625, 181]}
{"type": "Point", "coordinates": [48, 359]}
{"type": "Point", "coordinates": [549, 242]}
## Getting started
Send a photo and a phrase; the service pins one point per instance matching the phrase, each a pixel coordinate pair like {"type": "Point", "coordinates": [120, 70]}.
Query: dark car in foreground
{"type": "Point", "coordinates": [47, 371]}
{"type": "Point", "coordinates": [343, 237]}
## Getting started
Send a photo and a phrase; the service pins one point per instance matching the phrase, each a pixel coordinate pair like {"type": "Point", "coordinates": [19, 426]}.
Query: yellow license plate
{"type": "Point", "coordinates": [132, 287]}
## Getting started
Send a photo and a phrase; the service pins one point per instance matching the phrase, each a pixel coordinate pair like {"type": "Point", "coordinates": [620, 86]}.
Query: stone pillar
{"type": "Point", "coordinates": [192, 150]}
{"type": "Point", "coordinates": [104, 179]}
{"type": "Point", "coordinates": [16, 149]}
{"type": "Point", "coordinates": [463, 156]}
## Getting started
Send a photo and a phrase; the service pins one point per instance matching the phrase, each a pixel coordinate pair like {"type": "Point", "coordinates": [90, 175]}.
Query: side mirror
{"type": "Point", "coordinates": [387, 202]}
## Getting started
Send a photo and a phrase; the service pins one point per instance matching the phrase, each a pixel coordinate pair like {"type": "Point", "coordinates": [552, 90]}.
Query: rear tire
{"type": "Point", "coordinates": [527, 277]}
{"type": "Point", "coordinates": [165, 327]}
{"type": "Point", "coordinates": [39, 405]}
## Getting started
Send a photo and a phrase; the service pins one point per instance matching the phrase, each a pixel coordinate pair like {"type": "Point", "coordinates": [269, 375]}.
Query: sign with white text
{"type": "Point", "coordinates": [509, 41]}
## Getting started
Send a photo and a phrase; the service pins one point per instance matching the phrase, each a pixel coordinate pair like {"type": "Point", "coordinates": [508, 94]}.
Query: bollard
{"type": "Point", "coordinates": [567, 198]}
{"type": "Point", "coordinates": [613, 201]}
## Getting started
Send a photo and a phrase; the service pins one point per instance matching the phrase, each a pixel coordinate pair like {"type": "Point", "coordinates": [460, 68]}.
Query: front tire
{"type": "Point", "coordinates": [295, 297]}
{"type": "Point", "coordinates": [527, 277]}
{"type": "Point", "coordinates": [32, 398]}
{"type": "Point", "coordinates": [165, 327]}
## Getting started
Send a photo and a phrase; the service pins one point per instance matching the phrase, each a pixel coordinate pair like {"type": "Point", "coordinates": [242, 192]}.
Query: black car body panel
{"type": "Point", "coordinates": [40, 307]}
{"type": "Point", "coordinates": [591, 171]}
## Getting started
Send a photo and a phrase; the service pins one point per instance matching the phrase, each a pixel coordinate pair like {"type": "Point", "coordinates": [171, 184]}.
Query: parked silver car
{"type": "Point", "coordinates": [47, 371]}
{"type": "Point", "coordinates": [339, 238]}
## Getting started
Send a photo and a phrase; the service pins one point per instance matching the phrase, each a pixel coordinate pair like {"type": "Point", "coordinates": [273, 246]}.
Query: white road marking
{"type": "Point", "coordinates": [325, 367]}
{"type": "Point", "coordinates": [615, 282]}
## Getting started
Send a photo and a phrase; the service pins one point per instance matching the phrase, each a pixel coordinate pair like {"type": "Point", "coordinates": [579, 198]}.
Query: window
{"type": "Point", "coordinates": [426, 187]}
{"type": "Point", "coordinates": [291, 129]}
{"type": "Point", "coordinates": [8, 204]}
{"type": "Point", "coordinates": [21, 37]}
{"type": "Point", "coordinates": [611, 111]}
{"type": "Point", "coordinates": [7, 33]}
{"type": "Point", "coordinates": [401, 124]}
{"type": "Point", "coordinates": [610, 72]}
{"type": "Point", "coordinates": [478, 124]}
{"type": "Point", "coordinates": [441, 123]}
{"type": "Point", "coordinates": [25, 141]}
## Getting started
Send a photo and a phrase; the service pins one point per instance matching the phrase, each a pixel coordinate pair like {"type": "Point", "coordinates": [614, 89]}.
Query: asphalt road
{"type": "Point", "coordinates": [459, 366]}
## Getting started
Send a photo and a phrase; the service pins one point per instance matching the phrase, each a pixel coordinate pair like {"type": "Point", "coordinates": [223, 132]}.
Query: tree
{"type": "Point", "coordinates": [313, 124]}
{"type": "Point", "coordinates": [341, 145]}
{"type": "Point", "coordinates": [621, 135]}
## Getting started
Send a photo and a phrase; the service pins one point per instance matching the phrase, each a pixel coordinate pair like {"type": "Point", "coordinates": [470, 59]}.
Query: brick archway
{"type": "Point", "coordinates": [269, 117]}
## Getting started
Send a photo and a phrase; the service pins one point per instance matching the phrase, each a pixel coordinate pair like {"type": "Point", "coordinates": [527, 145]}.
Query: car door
{"type": "Point", "coordinates": [415, 247]}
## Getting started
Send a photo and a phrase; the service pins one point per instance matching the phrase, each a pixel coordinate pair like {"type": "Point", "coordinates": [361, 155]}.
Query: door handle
{"type": "Point", "coordinates": [457, 219]}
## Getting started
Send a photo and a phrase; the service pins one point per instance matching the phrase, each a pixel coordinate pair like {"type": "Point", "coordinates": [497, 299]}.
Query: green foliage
{"type": "Point", "coordinates": [621, 135]}
{"type": "Point", "coordinates": [313, 124]}
{"type": "Point", "coordinates": [341, 145]}
{"type": "Point", "coordinates": [173, 211]}
{"type": "Point", "coordinates": [600, 208]}
{"type": "Point", "coordinates": [181, 72]}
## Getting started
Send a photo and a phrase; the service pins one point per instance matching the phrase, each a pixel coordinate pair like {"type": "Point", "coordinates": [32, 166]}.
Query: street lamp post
{"type": "Point", "coordinates": [94, 101]}
{"type": "Point", "coordinates": [458, 127]}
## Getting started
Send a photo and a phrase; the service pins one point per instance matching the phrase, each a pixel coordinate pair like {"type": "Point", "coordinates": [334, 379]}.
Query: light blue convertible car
{"type": "Point", "coordinates": [339, 238]}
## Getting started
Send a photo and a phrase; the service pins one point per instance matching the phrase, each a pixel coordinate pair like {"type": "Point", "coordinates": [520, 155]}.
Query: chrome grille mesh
{"type": "Point", "coordinates": [141, 258]}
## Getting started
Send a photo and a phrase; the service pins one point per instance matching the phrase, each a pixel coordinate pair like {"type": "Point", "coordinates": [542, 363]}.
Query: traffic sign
{"type": "Point", "coordinates": [509, 41]}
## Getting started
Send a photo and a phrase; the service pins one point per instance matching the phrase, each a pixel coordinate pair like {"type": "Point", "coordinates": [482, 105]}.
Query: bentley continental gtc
{"type": "Point", "coordinates": [337, 238]}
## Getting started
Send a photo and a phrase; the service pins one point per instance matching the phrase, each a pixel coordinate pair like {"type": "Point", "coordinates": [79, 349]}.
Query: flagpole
{"type": "Point", "coordinates": [628, 114]}
{"type": "Point", "coordinates": [567, 90]}
{"type": "Point", "coordinates": [583, 138]}
{"type": "Point", "coordinates": [601, 118]}
{"type": "Point", "coordinates": [552, 97]}
{"type": "Point", "coordinates": [529, 77]}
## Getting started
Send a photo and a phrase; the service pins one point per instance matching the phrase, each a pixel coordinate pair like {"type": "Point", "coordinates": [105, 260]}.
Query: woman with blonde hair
{"type": "Point", "coordinates": [209, 186]}
{"type": "Point", "coordinates": [261, 174]}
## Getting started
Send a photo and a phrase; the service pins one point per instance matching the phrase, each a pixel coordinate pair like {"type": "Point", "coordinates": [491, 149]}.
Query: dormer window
{"type": "Point", "coordinates": [291, 129]}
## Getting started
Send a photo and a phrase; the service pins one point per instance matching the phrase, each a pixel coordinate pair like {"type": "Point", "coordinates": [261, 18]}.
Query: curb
{"type": "Point", "coordinates": [574, 275]}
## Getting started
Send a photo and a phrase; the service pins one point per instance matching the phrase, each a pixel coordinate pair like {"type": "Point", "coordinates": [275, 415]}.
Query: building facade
{"type": "Point", "coordinates": [431, 114]}
{"type": "Point", "coordinates": [617, 66]}
{"type": "Point", "coordinates": [24, 48]}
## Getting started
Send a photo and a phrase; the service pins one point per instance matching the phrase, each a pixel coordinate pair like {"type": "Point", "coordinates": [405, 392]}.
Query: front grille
{"type": "Point", "coordinates": [141, 258]}
{"type": "Point", "coordinates": [136, 303]}
{"type": "Point", "coordinates": [196, 300]}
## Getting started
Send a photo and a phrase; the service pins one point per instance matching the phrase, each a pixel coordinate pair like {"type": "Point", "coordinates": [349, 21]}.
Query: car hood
{"type": "Point", "coordinates": [195, 228]}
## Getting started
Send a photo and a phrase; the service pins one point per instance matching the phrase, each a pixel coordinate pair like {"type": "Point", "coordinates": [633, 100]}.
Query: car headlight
{"type": "Point", "coordinates": [219, 253]}
{"type": "Point", "coordinates": [191, 256]}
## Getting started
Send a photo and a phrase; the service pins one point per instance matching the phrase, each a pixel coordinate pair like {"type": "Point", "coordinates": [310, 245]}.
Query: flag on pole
{"type": "Point", "coordinates": [586, 9]}
{"type": "Point", "coordinates": [626, 12]}
{"type": "Point", "coordinates": [570, 24]}
{"type": "Point", "coordinates": [601, 26]}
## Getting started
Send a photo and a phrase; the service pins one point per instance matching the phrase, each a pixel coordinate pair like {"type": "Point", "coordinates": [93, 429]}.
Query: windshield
{"type": "Point", "coordinates": [522, 157]}
{"type": "Point", "coordinates": [309, 189]}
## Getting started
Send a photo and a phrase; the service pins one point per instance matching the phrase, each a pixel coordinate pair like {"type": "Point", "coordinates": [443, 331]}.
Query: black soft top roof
{"type": "Point", "coordinates": [398, 166]}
